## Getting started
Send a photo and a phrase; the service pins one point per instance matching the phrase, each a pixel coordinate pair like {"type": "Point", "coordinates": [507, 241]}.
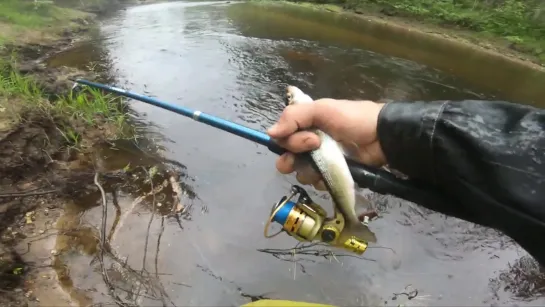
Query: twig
{"type": "Point", "coordinates": [154, 204]}
{"type": "Point", "coordinates": [149, 226]}
{"type": "Point", "coordinates": [105, 277]}
{"type": "Point", "coordinates": [294, 264]}
{"type": "Point", "coordinates": [178, 206]}
{"type": "Point", "coordinates": [29, 243]}
{"type": "Point", "coordinates": [26, 194]}
{"type": "Point", "coordinates": [304, 250]}
{"type": "Point", "coordinates": [117, 215]}
{"type": "Point", "coordinates": [158, 245]}
{"type": "Point", "coordinates": [154, 208]}
{"type": "Point", "coordinates": [163, 292]}
{"type": "Point", "coordinates": [410, 294]}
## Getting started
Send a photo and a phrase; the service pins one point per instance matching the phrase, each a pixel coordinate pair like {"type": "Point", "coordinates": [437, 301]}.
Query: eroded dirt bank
{"type": "Point", "coordinates": [48, 158]}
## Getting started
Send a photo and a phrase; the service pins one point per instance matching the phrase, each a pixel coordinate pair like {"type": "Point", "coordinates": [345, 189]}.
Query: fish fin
{"type": "Point", "coordinates": [301, 164]}
{"type": "Point", "coordinates": [361, 231]}
{"type": "Point", "coordinates": [305, 169]}
{"type": "Point", "coordinates": [363, 203]}
{"type": "Point", "coordinates": [365, 208]}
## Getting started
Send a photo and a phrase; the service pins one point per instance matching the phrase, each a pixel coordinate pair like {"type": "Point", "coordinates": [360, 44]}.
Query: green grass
{"type": "Point", "coordinates": [73, 113]}
{"type": "Point", "coordinates": [21, 18]}
{"type": "Point", "coordinates": [520, 23]}
{"type": "Point", "coordinates": [87, 5]}
{"type": "Point", "coordinates": [28, 14]}
{"type": "Point", "coordinates": [325, 6]}
{"type": "Point", "coordinates": [24, 21]}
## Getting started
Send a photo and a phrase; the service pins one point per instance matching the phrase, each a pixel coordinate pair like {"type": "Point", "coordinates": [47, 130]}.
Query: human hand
{"type": "Point", "coordinates": [351, 123]}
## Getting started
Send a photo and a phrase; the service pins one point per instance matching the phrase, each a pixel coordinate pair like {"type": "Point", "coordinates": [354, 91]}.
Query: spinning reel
{"type": "Point", "coordinates": [307, 222]}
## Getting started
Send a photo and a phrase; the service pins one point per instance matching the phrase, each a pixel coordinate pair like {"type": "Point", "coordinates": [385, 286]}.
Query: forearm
{"type": "Point", "coordinates": [486, 155]}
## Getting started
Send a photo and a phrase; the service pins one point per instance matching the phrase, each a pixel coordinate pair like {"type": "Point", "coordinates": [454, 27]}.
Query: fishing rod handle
{"type": "Point", "coordinates": [383, 182]}
{"type": "Point", "coordinates": [363, 175]}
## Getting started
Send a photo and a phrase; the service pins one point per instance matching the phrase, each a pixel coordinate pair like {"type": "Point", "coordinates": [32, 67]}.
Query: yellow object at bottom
{"type": "Point", "coordinates": [283, 303]}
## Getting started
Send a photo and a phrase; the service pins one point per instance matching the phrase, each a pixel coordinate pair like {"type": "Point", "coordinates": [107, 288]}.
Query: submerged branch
{"type": "Point", "coordinates": [307, 250]}
{"type": "Point", "coordinates": [26, 194]}
{"type": "Point", "coordinates": [105, 277]}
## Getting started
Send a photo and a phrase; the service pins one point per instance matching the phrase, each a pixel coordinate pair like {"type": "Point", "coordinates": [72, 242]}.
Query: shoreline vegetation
{"type": "Point", "coordinates": [513, 28]}
{"type": "Point", "coordinates": [49, 135]}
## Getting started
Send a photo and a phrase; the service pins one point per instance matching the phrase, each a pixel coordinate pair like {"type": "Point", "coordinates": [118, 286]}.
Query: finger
{"type": "Point", "coordinates": [294, 117]}
{"type": "Point", "coordinates": [320, 186]}
{"type": "Point", "coordinates": [300, 142]}
{"type": "Point", "coordinates": [285, 163]}
{"type": "Point", "coordinates": [306, 174]}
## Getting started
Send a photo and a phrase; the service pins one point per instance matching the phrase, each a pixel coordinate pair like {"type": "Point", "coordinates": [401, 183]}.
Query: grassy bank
{"type": "Point", "coordinates": [516, 24]}
{"type": "Point", "coordinates": [25, 22]}
{"type": "Point", "coordinates": [73, 113]}
{"type": "Point", "coordinates": [47, 131]}
{"type": "Point", "coordinates": [31, 29]}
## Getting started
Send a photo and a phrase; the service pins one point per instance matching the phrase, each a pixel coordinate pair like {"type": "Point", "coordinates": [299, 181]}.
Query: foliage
{"type": "Point", "coordinates": [20, 19]}
{"type": "Point", "coordinates": [96, 6]}
{"type": "Point", "coordinates": [32, 14]}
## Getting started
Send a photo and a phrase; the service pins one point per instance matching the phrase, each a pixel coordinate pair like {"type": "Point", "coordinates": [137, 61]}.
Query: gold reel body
{"type": "Point", "coordinates": [307, 222]}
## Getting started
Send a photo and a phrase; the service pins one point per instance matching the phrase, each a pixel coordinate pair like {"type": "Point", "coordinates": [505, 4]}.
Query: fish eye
{"type": "Point", "coordinates": [288, 100]}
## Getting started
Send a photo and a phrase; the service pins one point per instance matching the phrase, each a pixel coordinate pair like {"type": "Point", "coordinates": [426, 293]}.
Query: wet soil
{"type": "Point", "coordinates": [40, 171]}
{"type": "Point", "coordinates": [46, 183]}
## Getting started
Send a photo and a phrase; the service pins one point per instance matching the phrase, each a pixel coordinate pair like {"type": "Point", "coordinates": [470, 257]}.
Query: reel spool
{"type": "Point", "coordinates": [306, 221]}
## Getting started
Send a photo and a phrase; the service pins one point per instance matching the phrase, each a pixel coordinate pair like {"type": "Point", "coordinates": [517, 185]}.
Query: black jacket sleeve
{"type": "Point", "coordinates": [487, 156]}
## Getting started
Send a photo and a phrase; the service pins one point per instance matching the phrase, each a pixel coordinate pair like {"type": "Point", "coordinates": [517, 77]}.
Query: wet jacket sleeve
{"type": "Point", "coordinates": [487, 156]}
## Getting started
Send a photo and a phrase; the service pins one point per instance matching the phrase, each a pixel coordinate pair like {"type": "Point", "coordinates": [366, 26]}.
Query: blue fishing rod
{"type": "Point", "coordinates": [377, 180]}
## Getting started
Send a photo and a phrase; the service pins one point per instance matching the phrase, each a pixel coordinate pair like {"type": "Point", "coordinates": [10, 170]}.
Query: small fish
{"type": "Point", "coordinates": [331, 163]}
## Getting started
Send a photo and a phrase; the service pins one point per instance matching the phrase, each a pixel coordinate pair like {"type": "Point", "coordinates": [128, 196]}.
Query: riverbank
{"type": "Point", "coordinates": [48, 137]}
{"type": "Point", "coordinates": [496, 33]}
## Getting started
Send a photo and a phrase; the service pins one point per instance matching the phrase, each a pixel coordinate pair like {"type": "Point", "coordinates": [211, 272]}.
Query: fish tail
{"type": "Point", "coordinates": [361, 231]}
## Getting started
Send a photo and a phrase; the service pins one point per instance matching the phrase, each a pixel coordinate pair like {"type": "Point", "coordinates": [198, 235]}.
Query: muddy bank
{"type": "Point", "coordinates": [48, 140]}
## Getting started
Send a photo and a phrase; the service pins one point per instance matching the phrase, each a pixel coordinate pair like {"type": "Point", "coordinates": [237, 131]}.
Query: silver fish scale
{"type": "Point", "coordinates": [336, 190]}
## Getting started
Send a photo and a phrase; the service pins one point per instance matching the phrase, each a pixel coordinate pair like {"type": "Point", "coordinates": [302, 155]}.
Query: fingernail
{"type": "Point", "coordinates": [289, 158]}
{"type": "Point", "coordinates": [272, 129]}
{"type": "Point", "coordinates": [310, 143]}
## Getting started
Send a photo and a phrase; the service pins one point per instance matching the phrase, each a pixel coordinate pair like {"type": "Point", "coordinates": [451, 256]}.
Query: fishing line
{"type": "Point", "coordinates": [209, 265]}
{"type": "Point", "coordinates": [201, 254]}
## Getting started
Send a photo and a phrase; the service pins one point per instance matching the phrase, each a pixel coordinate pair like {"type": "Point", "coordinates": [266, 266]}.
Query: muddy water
{"type": "Point", "coordinates": [233, 61]}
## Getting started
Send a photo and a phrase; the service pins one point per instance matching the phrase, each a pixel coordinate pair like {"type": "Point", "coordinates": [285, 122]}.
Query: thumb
{"type": "Point", "coordinates": [294, 118]}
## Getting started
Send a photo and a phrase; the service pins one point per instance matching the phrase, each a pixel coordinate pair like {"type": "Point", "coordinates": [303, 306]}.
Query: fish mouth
{"type": "Point", "coordinates": [289, 95]}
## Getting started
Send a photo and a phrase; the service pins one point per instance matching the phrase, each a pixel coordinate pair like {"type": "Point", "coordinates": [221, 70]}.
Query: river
{"type": "Point", "coordinates": [233, 60]}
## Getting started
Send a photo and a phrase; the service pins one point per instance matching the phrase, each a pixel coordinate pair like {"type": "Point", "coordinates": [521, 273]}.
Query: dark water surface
{"type": "Point", "coordinates": [234, 61]}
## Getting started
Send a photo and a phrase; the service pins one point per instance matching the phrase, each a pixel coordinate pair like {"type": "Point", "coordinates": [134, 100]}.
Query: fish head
{"type": "Point", "coordinates": [295, 96]}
